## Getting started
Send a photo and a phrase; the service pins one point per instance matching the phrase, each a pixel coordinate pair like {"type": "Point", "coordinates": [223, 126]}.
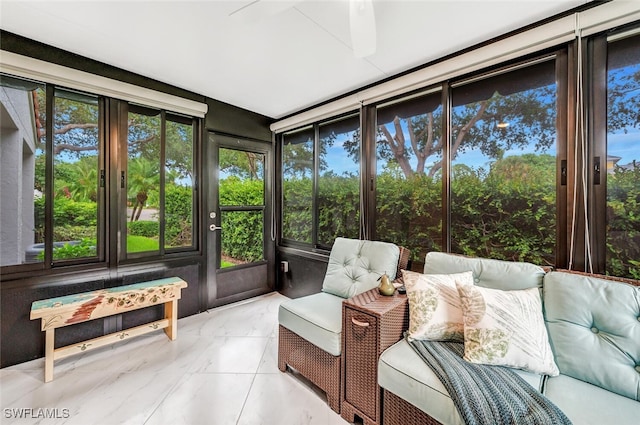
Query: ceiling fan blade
{"type": "Point", "coordinates": [362, 22]}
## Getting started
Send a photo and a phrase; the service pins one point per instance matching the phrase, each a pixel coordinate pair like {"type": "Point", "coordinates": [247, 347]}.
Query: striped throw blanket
{"type": "Point", "coordinates": [487, 394]}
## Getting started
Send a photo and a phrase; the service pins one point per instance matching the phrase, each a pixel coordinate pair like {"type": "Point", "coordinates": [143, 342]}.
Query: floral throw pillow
{"type": "Point", "coordinates": [506, 328]}
{"type": "Point", "coordinates": [434, 305]}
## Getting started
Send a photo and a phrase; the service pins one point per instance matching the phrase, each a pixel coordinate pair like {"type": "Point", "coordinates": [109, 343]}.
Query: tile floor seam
{"type": "Point", "coordinates": [244, 403]}
{"type": "Point", "coordinates": [266, 347]}
{"type": "Point", "coordinates": [169, 392]}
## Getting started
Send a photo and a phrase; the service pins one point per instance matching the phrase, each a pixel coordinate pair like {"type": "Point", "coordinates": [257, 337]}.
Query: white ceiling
{"type": "Point", "coordinates": [274, 59]}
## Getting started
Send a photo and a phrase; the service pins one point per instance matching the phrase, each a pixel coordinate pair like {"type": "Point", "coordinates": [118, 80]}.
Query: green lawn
{"type": "Point", "coordinates": [141, 244]}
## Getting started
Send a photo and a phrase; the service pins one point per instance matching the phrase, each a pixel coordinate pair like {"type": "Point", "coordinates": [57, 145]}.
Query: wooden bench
{"type": "Point", "coordinates": [77, 308]}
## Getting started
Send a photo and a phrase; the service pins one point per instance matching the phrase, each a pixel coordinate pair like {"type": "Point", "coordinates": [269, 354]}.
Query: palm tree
{"type": "Point", "coordinates": [84, 186]}
{"type": "Point", "coordinates": [144, 177]}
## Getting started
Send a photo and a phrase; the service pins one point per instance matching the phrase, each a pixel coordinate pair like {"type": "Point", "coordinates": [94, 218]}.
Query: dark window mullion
{"type": "Point", "coordinates": [161, 196]}
{"type": "Point", "coordinates": [315, 216]}
{"type": "Point", "coordinates": [446, 168]}
{"type": "Point", "coordinates": [102, 181]}
{"type": "Point", "coordinates": [49, 190]}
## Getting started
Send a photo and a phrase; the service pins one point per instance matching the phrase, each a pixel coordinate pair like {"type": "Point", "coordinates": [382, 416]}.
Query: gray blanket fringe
{"type": "Point", "coordinates": [487, 394]}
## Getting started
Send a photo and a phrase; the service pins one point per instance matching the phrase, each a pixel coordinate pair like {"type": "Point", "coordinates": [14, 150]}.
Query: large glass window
{"type": "Point", "coordinates": [143, 181]}
{"type": "Point", "coordinates": [623, 158]}
{"type": "Point", "coordinates": [23, 160]}
{"type": "Point", "coordinates": [55, 178]}
{"type": "Point", "coordinates": [409, 165]}
{"type": "Point", "coordinates": [297, 185]}
{"type": "Point", "coordinates": [71, 230]}
{"type": "Point", "coordinates": [158, 194]}
{"type": "Point", "coordinates": [179, 183]}
{"type": "Point", "coordinates": [503, 154]}
{"type": "Point", "coordinates": [76, 175]}
{"type": "Point", "coordinates": [338, 198]}
{"type": "Point", "coordinates": [321, 182]}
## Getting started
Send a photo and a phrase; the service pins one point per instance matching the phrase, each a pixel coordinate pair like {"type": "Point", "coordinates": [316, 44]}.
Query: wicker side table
{"type": "Point", "coordinates": [371, 323]}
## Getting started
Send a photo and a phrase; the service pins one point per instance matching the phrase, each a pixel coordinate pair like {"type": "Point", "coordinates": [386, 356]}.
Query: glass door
{"type": "Point", "coordinates": [240, 248]}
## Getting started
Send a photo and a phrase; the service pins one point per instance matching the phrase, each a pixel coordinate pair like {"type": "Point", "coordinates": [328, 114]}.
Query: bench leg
{"type": "Point", "coordinates": [48, 354]}
{"type": "Point", "coordinates": [171, 313]}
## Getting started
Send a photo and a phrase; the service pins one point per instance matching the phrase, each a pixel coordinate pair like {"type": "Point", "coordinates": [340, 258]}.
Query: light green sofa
{"type": "Point", "coordinates": [594, 331]}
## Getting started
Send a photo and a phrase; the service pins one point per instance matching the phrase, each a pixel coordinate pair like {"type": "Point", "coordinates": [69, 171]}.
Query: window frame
{"type": "Point", "coordinates": [162, 251]}
{"type": "Point", "coordinates": [596, 53]}
{"type": "Point", "coordinates": [111, 198]}
{"type": "Point", "coordinates": [315, 245]}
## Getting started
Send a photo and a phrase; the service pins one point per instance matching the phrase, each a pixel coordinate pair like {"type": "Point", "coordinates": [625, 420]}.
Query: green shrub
{"type": "Point", "coordinates": [74, 233]}
{"type": "Point", "coordinates": [178, 216]}
{"type": "Point", "coordinates": [69, 212]}
{"type": "Point", "coordinates": [242, 234]}
{"type": "Point", "coordinates": [148, 229]}
{"type": "Point", "coordinates": [83, 249]}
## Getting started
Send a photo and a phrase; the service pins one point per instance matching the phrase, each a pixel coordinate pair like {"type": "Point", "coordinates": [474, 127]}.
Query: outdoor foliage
{"type": "Point", "coordinates": [75, 249]}
{"type": "Point", "coordinates": [508, 213]}
{"type": "Point", "coordinates": [338, 208]}
{"type": "Point", "coordinates": [409, 212]}
{"type": "Point", "coordinates": [144, 228]}
{"type": "Point", "coordinates": [86, 248]}
{"type": "Point", "coordinates": [178, 214]}
{"type": "Point", "coordinates": [242, 230]}
{"type": "Point", "coordinates": [623, 221]}
{"type": "Point", "coordinates": [73, 220]}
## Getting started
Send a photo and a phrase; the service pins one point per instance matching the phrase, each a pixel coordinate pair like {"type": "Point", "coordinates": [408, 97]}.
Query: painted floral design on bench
{"type": "Point", "coordinates": [152, 295]}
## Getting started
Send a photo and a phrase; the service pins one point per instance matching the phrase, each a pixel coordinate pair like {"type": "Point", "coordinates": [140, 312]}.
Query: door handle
{"type": "Point", "coordinates": [213, 227]}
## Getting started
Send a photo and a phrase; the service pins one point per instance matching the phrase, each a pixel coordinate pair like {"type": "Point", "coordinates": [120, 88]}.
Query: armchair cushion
{"type": "Point", "coordinates": [355, 266]}
{"type": "Point", "coordinates": [316, 318]}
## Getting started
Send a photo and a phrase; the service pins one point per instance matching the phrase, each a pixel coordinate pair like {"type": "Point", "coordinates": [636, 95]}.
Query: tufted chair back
{"type": "Point", "coordinates": [594, 328]}
{"type": "Point", "coordinates": [355, 266]}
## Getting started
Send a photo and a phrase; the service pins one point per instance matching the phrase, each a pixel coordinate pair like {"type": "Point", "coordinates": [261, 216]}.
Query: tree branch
{"type": "Point", "coordinates": [66, 146]}
{"type": "Point", "coordinates": [67, 128]}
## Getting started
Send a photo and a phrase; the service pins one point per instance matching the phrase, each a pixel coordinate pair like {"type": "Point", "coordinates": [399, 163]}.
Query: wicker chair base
{"type": "Point", "coordinates": [350, 413]}
{"type": "Point", "coordinates": [397, 411]}
{"type": "Point", "coordinates": [315, 364]}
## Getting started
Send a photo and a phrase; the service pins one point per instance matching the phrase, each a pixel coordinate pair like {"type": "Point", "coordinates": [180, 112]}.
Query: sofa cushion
{"type": "Point", "coordinates": [316, 318]}
{"type": "Point", "coordinates": [594, 329]}
{"type": "Point", "coordinates": [434, 305]}
{"type": "Point", "coordinates": [355, 266]}
{"type": "Point", "coordinates": [505, 328]}
{"type": "Point", "coordinates": [585, 404]}
{"type": "Point", "coordinates": [496, 274]}
{"type": "Point", "coordinates": [404, 373]}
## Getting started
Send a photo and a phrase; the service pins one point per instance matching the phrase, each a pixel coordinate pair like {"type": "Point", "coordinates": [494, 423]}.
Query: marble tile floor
{"type": "Point", "coordinates": [222, 369]}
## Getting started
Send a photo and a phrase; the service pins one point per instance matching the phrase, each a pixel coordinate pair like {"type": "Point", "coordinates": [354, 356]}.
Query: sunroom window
{"type": "Point", "coordinates": [321, 182]}
{"type": "Point", "coordinates": [409, 161]}
{"type": "Point", "coordinates": [503, 165]}
{"type": "Point", "coordinates": [623, 158]}
{"type": "Point", "coordinates": [160, 182]}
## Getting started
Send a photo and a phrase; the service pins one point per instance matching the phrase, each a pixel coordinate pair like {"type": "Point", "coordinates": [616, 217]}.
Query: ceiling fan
{"type": "Point", "coordinates": [362, 20]}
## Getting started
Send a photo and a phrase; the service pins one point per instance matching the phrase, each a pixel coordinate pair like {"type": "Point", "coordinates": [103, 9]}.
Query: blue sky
{"type": "Point", "coordinates": [626, 146]}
